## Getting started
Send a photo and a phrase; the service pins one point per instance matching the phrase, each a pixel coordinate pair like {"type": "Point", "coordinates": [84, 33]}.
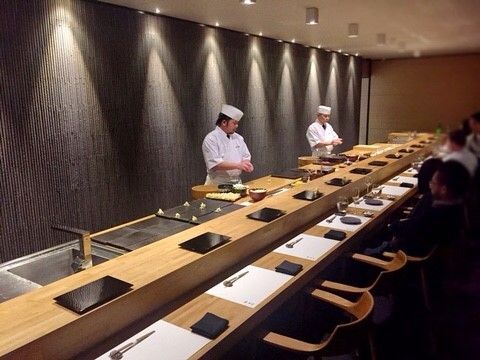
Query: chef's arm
{"type": "Point", "coordinates": [244, 165]}
{"type": "Point", "coordinates": [327, 143]}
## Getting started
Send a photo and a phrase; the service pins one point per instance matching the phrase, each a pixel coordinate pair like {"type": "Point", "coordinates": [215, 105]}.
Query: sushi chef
{"type": "Point", "coordinates": [225, 153]}
{"type": "Point", "coordinates": [320, 134]}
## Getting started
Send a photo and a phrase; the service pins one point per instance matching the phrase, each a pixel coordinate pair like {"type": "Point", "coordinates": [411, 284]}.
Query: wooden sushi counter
{"type": "Point", "coordinates": [170, 282]}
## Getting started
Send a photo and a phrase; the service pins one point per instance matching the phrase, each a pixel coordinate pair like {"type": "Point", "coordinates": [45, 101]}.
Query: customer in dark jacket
{"type": "Point", "coordinates": [442, 222]}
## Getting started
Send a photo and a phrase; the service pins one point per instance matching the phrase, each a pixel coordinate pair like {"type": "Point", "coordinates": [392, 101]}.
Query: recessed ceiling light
{"type": "Point", "coordinates": [356, 54]}
{"type": "Point", "coordinates": [311, 17]}
{"type": "Point", "coordinates": [319, 46]}
{"type": "Point", "coordinates": [202, 25]}
{"type": "Point", "coordinates": [217, 23]}
{"type": "Point", "coordinates": [248, 2]}
{"type": "Point", "coordinates": [339, 50]}
{"type": "Point", "coordinates": [246, 34]}
{"type": "Point", "coordinates": [157, 11]}
{"type": "Point", "coordinates": [260, 34]}
{"type": "Point", "coordinates": [293, 40]}
{"type": "Point", "coordinates": [280, 40]}
{"type": "Point", "coordinates": [140, 12]}
{"type": "Point", "coordinates": [352, 30]}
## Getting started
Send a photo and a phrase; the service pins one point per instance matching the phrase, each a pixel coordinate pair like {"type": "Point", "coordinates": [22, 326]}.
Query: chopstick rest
{"type": "Point", "coordinates": [407, 185]}
{"type": "Point", "coordinates": [210, 326]}
{"type": "Point", "coordinates": [335, 235]}
{"type": "Point", "coordinates": [287, 267]}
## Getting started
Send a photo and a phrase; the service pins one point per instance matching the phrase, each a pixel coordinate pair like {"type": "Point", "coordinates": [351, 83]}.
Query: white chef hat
{"type": "Point", "coordinates": [231, 112]}
{"type": "Point", "coordinates": [325, 110]}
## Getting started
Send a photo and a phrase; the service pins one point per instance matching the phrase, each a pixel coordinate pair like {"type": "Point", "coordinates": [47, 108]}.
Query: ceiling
{"type": "Point", "coordinates": [412, 27]}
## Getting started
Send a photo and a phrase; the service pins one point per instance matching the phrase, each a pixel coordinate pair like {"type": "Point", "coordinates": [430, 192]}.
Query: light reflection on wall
{"type": "Point", "coordinates": [350, 100]}
{"type": "Point", "coordinates": [331, 98]}
{"type": "Point", "coordinates": [256, 109]}
{"type": "Point", "coordinates": [312, 94]}
{"type": "Point", "coordinates": [213, 91]}
{"type": "Point", "coordinates": [63, 66]}
{"type": "Point", "coordinates": [161, 108]}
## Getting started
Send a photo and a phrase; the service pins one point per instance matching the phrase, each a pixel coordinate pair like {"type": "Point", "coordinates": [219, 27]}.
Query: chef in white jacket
{"type": "Point", "coordinates": [320, 134]}
{"type": "Point", "coordinates": [225, 153]}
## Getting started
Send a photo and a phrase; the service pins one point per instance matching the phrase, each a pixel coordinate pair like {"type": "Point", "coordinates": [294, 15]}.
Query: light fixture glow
{"type": "Point", "coordinates": [248, 2]}
{"type": "Point", "coordinates": [319, 46]}
{"type": "Point", "coordinates": [356, 54]}
{"type": "Point", "coordinates": [140, 12]}
{"type": "Point", "coordinates": [217, 23]}
{"type": "Point", "coordinates": [381, 39]}
{"type": "Point", "coordinates": [246, 34]}
{"type": "Point", "coordinates": [280, 40]}
{"type": "Point", "coordinates": [157, 11]}
{"type": "Point", "coordinates": [340, 50]}
{"type": "Point", "coordinates": [260, 34]}
{"type": "Point", "coordinates": [293, 40]}
{"type": "Point", "coordinates": [311, 16]}
{"type": "Point", "coordinates": [352, 30]}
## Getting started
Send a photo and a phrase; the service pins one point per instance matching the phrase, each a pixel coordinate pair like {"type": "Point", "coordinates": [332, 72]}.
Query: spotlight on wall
{"type": "Point", "coordinates": [381, 39]}
{"type": "Point", "coordinates": [157, 11]}
{"type": "Point", "coordinates": [312, 16]}
{"type": "Point", "coordinates": [260, 33]}
{"type": "Point", "coordinates": [293, 41]}
{"type": "Point", "coordinates": [352, 30]}
{"type": "Point", "coordinates": [248, 2]}
{"type": "Point", "coordinates": [217, 24]}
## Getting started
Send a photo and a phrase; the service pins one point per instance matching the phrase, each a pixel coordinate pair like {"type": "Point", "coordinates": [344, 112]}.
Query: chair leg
{"type": "Point", "coordinates": [426, 297]}
{"type": "Point", "coordinates": [371, 346]}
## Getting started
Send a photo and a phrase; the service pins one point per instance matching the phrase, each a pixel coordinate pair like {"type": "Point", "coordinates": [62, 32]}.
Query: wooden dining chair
{"type": "Point", "coordinates": [387, 269]}
{"type": "Point", "coordinates": [345, 337]}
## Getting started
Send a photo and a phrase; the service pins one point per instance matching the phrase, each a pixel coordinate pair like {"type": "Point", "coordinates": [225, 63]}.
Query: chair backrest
{"type": "Point", "coordinates": [348, 337]}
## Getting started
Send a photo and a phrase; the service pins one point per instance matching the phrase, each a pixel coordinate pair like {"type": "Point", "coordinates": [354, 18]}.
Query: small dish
{"type": "Point", "coordinates": [257, 194]}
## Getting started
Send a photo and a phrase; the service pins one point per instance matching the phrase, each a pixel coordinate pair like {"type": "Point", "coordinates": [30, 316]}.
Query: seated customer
{"type": "Point", "coordinates": [457, 151]}
{"type": "Point", "coordinates": [439, 223]}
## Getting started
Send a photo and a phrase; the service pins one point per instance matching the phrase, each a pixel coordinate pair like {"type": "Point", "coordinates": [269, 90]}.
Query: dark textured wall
{"type": "Point", "coordinates": [103, 111]}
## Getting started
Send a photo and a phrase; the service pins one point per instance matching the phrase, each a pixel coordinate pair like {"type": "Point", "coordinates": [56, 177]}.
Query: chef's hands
{"type": "Point", "coordinates": [337, 141]}
{"type": "Point", "coordinates": [246, 166]}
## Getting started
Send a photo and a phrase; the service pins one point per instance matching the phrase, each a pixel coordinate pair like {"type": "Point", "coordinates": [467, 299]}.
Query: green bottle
{"type": "Point", "coordinates": [438, 130]}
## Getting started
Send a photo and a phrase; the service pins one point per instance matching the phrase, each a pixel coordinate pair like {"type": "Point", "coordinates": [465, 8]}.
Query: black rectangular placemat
{"type": "Point", "coordinates": [94, 294]}
{"type": "Point", "coordinates": [266, 214]}
{"type": "Point", "coordinates": [361, 171]}
{"type": "Point", "coordinates": [338, 182]}
{"type": "Point", "coordinates": [378, 163]}
{"type": "Point", "coordinates": [291, 174]}
{"type": "Point", "coordinates": [393, 156]}
{"type": "Point", "coordinates": [205, 242]}
{"type": "Point", "coordinates": [308, 195]}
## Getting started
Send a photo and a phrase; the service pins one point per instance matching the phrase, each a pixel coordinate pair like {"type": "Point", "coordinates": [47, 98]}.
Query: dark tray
{"type": "Point", "coordinates": [308, 195]}
{"type": "Point", "coordinates": [361, 171]}
{"type": "Point", "coordinates": [291, 174]}
{"type": "Point", "coordinates": [94, 294]}
{"type": "Point", "coordinates": [418, 146]}
{"type": "Point", "coordinates": [393, 156]}
{"type": "Point", "coordinates": [338, 182]}
{"type": "Point", "coordinates": [333, 159]}
{"type": "Point", "coordinates": [406, 151]}
{"type": "Point", "coordinates": [378, 163]}
{"type": "Point", "coordinates": [266, 214]}
{"type": "Point", "coordinates": [214, 215]}
{"type": "Point", "coordinates": [186, 212]}
{"type": "Point", "coordinates": [205, 242]}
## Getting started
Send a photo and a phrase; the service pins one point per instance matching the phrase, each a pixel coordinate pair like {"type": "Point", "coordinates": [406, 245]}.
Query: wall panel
{"type": "Point", "coordinates": [103, 111]}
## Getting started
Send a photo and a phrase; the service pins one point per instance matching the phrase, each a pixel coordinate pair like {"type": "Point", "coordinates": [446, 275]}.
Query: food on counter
{"type": "Point", "coordinates": [229, 196]}
{"type": "Point", "coordinates": [203, 206]}
{"type": "Point", "coordinates": [257, 194]}
{"type": "Point", "coordinates": [160, 212]}
{"type": "Point", "coordinates": [194, 218]}
{"type": "Point", "coordinates": [217, 210]}
{"type": "Point", "coordinates": [186, 204]}
{"type": "Point", "coordinates": [177, 216]}
{"type": "Point", "coordinates": [297, 183]}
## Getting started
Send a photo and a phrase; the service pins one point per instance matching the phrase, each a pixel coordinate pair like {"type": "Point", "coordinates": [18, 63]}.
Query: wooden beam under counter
{"type": "Point", "coordinates": [34, 326]}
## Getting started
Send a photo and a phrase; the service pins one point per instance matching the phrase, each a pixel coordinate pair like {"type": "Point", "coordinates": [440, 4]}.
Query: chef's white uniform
{"type": "Point", "coordinates": [316, 133]}
{"type": "Point", "coordinates": [217, 147]}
